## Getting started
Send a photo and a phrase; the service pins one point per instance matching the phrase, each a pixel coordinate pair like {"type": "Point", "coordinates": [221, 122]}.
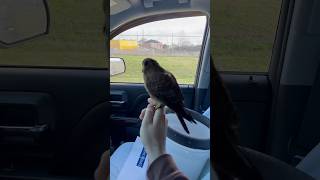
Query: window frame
{"type": "Point", "coordinates": [159, 17]}
{"type": "Point", "coordinates": [202, 51]}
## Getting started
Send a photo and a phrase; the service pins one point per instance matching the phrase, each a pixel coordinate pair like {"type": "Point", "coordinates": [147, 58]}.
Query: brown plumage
{"type": "Point", "coordinates": [163, 87]}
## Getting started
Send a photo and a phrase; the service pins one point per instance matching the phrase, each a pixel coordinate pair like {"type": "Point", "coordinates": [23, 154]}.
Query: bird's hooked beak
{"type": "Point", "coordinates": [149, 63]}
{"type": "Point", "coordinates": [143, 67]}
{"type": "Point", "coordinates": [144, 64]}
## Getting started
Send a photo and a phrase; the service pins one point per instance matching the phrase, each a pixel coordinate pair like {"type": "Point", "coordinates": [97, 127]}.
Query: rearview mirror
{"type": "Point", "coordinates": [22, 20]}
{"type": "Point", "coordinates": [117, 66]}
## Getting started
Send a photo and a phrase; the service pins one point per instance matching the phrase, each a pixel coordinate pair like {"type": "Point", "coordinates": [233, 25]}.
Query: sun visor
{"type": "Point", "coordinates": [117, 6]}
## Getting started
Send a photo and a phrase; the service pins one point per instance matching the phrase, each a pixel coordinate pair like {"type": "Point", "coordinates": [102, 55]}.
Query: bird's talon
{"type": "Point", "coordinates": [158, 106]}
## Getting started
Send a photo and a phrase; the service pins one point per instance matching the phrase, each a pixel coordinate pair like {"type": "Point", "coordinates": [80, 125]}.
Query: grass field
{"type": "Point", "coordinates": [243, 33]}
{"type": "Point", "coordinates": [75, 38]}
{"type": "Point", "coordinates": [184, 68]}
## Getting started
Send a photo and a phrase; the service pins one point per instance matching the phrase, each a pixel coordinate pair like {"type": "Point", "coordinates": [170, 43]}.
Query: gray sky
{"type": "Point", "coordinates": [192, 27]}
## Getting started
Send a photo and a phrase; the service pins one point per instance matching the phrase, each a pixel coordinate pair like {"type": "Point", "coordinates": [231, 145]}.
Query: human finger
{"type": "Point", "coordinates": [148, 115]}
{"type": "Point", "coordinates": [143, 111]}
{"type": "Point", "coordinates": [159, 117]}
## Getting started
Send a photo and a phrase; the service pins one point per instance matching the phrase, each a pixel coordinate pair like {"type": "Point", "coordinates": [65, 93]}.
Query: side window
{"type": "Point", "coordinates": [243, 34]}
{"type": "Point", "coordinates": [175, 43]}
{"type": "Point", "coordinates": [75, 39]}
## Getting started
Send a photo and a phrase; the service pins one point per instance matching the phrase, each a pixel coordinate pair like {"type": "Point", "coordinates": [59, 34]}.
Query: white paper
{"type": "Point", "coordinates": [135, 167]}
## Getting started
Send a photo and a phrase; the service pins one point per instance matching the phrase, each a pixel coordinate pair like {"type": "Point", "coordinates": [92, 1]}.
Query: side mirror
{"type": "Point", "coordinates": [117, 66]}
{"type": "Point", "coordinates": [22, 20]}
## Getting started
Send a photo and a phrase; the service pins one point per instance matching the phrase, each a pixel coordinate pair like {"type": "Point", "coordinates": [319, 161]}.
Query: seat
{"type": "Point", "coordinates": [311, 163]}
{"type": "Point", "coordinates": [85, 144]}
{"type": "Point", "coordinates": [271, 168]}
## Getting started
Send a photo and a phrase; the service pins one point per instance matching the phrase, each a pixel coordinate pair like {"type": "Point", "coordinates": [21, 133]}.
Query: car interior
{"type": "Point", "coordinates": [53, 112]}
{"type": "Point", "coordinates": [56, 117]}
{"type": "Point", "coordinates": [278, 109]}
{"type": "Point", "coordinates": [129, 98]}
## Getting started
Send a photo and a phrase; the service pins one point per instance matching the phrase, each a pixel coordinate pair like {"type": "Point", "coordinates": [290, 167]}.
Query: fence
{"type": "Point", "coordinates": [159, 45]}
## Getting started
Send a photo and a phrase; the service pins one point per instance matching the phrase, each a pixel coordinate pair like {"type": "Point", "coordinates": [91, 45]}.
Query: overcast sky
{"type": "Point", "coordinates": [192, 27]}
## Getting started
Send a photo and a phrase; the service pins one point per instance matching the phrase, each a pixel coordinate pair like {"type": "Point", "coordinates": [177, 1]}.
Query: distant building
{"type": "Point", "coordinates": [124, 44]}
{"type": "Point", "coordinates": [151, 44]}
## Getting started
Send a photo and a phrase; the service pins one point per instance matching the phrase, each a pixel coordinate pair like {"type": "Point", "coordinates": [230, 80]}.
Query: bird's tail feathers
{"type": "Point", "coordinates": [180, 117]}
{"type": "Point", "coordinates": [187, 116]}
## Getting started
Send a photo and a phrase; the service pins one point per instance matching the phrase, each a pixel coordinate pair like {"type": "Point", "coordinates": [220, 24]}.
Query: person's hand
{"type": "Point", "coordinates": [153, 130]}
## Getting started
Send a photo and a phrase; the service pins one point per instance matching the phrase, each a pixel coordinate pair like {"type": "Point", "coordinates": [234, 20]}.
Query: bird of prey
{"type": "Point", "coordinates": [162, 86]}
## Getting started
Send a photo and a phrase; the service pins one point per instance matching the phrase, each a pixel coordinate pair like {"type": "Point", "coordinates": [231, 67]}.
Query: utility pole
{"type": "Point", "coordinates": [171, 43]}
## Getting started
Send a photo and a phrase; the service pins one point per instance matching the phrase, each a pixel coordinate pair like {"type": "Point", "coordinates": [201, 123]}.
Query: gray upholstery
{"type": "Point", "coordinates": [273, 169]}
{"type": "Point", "coordinates": [311, 163]}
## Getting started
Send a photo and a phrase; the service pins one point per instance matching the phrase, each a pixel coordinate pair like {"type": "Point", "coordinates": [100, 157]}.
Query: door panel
{"type": "Point", "coordinates": [251, 95]}
{"type": "Point", "coordinates": [65, 99]}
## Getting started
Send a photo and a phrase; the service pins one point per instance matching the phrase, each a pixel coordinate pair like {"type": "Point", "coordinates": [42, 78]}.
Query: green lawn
{"type": "Point", "coordinates": [243, 33]}
{"type": "Point", "coordinates": [183, 68]}
{"type": "Point", "coordinates": [75, 38]}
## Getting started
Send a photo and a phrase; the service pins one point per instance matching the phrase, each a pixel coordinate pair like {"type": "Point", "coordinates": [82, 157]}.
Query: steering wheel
{"type": "Point", "coordinates": [199, 137]}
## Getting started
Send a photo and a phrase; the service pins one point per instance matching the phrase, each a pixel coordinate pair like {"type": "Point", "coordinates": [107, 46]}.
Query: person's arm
{"type": "Point", "coordinates": [153, 133]}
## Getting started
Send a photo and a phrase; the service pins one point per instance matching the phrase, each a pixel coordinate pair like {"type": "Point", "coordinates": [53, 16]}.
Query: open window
{"type": "Point", "coordinates": [171, 40]}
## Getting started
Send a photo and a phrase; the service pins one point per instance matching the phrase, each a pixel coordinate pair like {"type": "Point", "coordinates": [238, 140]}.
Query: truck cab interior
{"type": "Point", "coordinates": [160, 30]}
{"type": "Point", "coordinates": [276, 104]}
{"type": "Point", "coordinates": [54, 89]}
{"type": "Point", "coordinates": [58, 109]}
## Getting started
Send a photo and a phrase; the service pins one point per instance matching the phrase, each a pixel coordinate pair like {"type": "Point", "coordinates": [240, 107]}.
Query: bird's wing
{"type": "Point", "coordinates": [165, 88]}
{"type": "Point", "coordinates": [175, 86]}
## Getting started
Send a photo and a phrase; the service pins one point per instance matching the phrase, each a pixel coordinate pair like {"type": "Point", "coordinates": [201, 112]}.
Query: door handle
{"type": "Point", "coordinates": [117, 103]}
{"type": "Point", "coordinates": [24, 129]}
